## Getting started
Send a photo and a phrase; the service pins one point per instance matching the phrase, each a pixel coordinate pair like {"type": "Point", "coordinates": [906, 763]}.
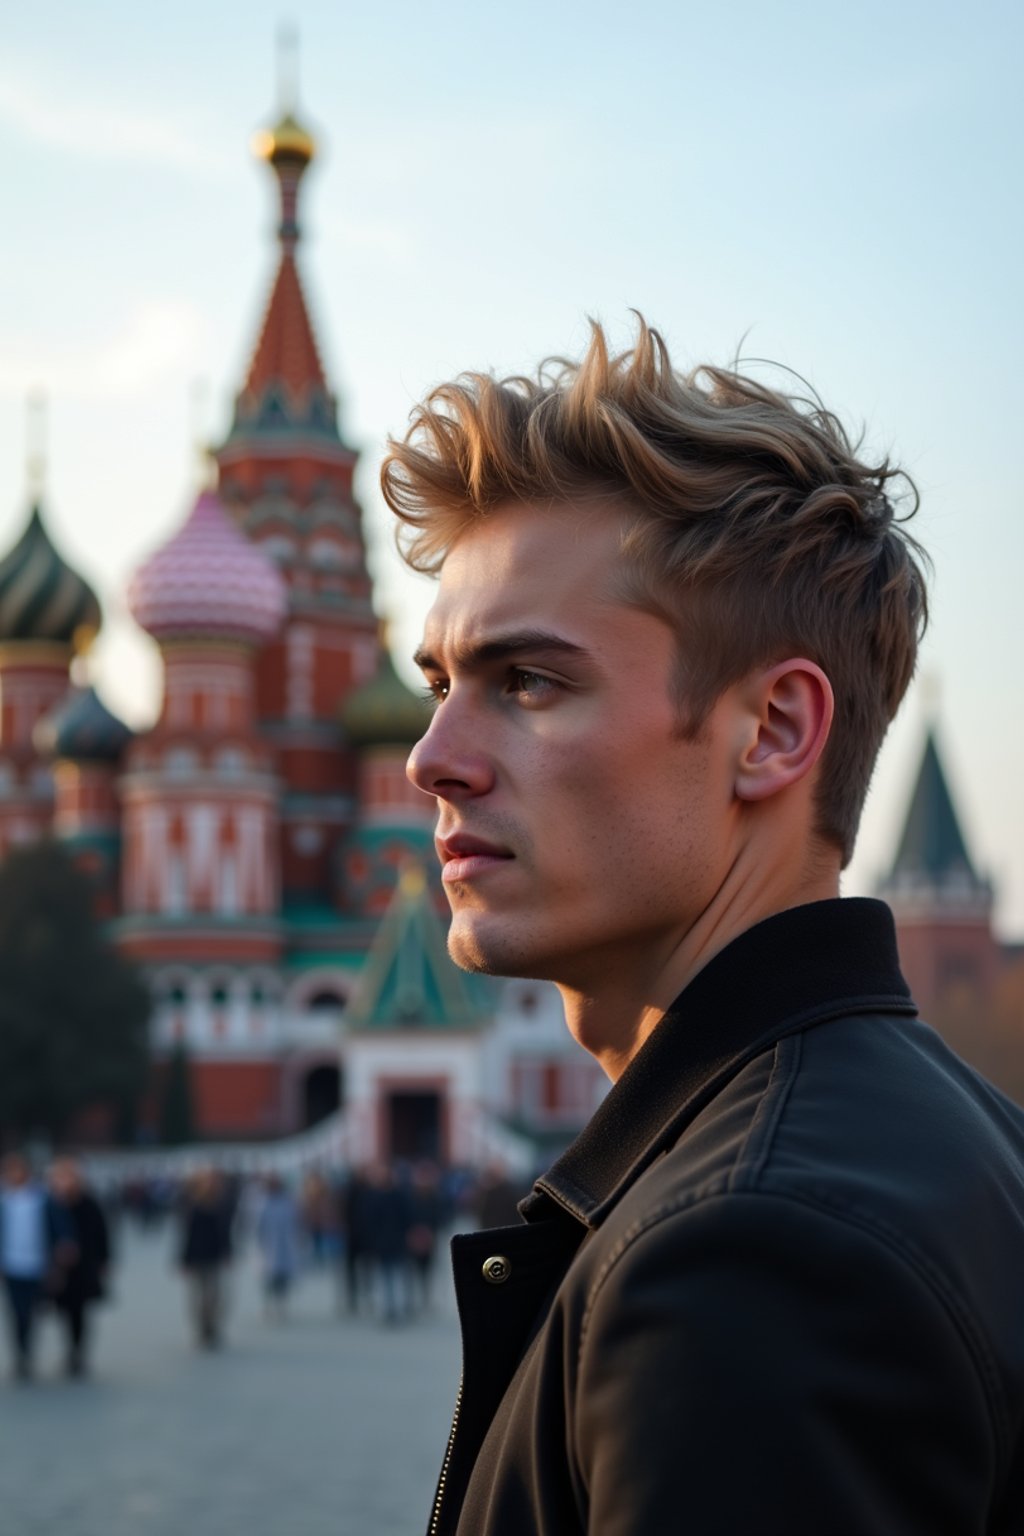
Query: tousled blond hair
{"type": "Point", "coordinates": [753, 527]}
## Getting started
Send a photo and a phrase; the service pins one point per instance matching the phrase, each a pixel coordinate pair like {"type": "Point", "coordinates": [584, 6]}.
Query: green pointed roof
{"type": "Point", "coordinates": [384, 712]}
{"type": "Point", "coordinates": [409, 981]}
{"type": "Point", "coordinates": [932, 846]}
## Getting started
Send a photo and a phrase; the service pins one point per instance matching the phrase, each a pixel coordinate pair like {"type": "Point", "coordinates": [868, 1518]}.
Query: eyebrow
{"type": "Point", "coordinates": [500, 648]}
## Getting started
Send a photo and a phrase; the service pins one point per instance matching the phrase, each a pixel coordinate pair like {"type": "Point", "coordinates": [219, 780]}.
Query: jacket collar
{"type": "Point", "coordinates": [794, 970]}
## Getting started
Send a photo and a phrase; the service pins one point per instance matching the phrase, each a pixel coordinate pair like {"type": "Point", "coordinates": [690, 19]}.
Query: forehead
{"type": "Point", "coordinates": [526, 565]}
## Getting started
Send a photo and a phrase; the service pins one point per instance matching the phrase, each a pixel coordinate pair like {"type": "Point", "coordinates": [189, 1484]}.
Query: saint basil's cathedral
{"type": "Point", "coordinates": [259, 851]}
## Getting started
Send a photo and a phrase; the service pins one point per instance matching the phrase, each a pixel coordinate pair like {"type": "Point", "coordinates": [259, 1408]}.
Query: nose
{"type": "Point", "coordinates": [448, 761]}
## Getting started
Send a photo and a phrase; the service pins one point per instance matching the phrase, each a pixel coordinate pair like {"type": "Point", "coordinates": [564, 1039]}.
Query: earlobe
{"type": "Point", "coordinates": [790, 709]}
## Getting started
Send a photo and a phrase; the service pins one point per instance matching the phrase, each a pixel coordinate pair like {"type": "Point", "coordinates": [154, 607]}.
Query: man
{"type": "Point", "coordinates": [81, 1257]}
{"type": "Point", "coordinates": [775, 1285]}
{"type": "Point", "coordinates": [27, 1238]}
{"type": "Point", "coordinates": [204, 1253]}
{"type": "Point", "coordinates": [278, 1240]}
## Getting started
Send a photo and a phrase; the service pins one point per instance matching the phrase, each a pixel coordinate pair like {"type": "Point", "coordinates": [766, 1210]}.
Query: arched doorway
{"type": "Point", "coordinates": [415, 1124]}
{"type": "Point", "coordinates": [321, 1093]}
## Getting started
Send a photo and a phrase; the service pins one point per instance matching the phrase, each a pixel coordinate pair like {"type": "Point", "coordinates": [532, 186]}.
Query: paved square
{"type": "Point", "coordinates": [320, 1426]}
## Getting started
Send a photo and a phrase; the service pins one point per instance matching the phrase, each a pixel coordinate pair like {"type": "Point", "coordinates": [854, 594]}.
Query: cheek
{"type": "Point", "coordinates": [627, 797]}
{"type": "Point", "coordinates": [662, 813]}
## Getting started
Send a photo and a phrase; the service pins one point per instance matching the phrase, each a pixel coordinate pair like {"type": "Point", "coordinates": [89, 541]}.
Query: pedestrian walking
{"type": "Point", "coordinates": [78, 1274]}
{"type": "Point", "coordinates": [278, 1239]}
{"type": "Point", "coordinates": [26, 1252]}
{"type": "Point", "coordinates": [205, 1253]}
{"type": "Point", "coordinates": [389, 1224]}
{"type": "Point", "coordinates": [425, 1215]}
{"type": "Point", "coordinates": [355, 1200]}
{"type": "Point", "coordinates": [316, 1208]}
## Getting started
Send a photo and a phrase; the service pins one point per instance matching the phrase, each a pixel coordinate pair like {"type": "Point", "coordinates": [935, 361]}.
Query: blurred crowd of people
{"type": "Point", "coordinates": [376, 1227]}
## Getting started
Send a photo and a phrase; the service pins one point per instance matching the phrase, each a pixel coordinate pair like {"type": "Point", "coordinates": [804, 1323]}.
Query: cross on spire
{"type": "Point", "coordinates": [36, 424]}
{"type": "Point", "coordinates": [287, 68]}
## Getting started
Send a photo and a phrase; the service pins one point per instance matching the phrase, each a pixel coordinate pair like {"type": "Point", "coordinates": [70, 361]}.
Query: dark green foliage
{"type": "Point", "coordinates": [73, 1012]}
{"type": "Point", "coordinates": [176, 1122]}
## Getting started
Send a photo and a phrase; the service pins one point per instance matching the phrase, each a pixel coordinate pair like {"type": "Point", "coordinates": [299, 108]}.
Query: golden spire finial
{"type": "Point", "coordinates": [35, 443]}
{"type": "Point", "coordinates": [288, 141]}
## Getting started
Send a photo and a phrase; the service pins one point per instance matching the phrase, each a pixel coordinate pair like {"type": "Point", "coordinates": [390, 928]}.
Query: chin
{"type": "Point", "coordinates": [494, 954]}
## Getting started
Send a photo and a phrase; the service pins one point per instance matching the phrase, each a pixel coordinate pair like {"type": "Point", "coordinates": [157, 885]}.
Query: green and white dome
{"type": "Point", "coordinates": [41, 597]}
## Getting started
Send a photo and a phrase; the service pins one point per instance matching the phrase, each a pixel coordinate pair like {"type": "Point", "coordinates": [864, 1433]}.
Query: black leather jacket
{"type": "Point", "coordinates": [775, 1288]}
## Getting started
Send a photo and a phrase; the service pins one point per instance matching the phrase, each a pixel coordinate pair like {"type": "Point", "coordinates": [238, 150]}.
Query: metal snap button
{"type": "Point", "coordinates": [496, 1270]}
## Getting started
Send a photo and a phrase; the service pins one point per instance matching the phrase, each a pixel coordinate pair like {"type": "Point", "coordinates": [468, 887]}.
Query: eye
{"type": "Point", "coordinates": [530, 687]}
{"type": "Point", "coordinates": [436, 690]}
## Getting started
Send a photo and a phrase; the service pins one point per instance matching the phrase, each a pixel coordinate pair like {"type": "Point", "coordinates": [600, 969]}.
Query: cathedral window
{"type": "Point", "coordinates": [180, 761]}
{"type": "Point", "coordinates": [174, 890]}
{"type": "Point", "coordinates": [228, 893]}
{"type": "Point", "coordinates": [280, 548]}
{"type": "Point", "coordinates": [327, 554]}
{"type": "Point", "coordinates": [230, 762]}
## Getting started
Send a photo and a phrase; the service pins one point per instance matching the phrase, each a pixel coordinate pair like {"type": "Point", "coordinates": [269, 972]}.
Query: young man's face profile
{"type": "Point", "coordinates": [580, 834]}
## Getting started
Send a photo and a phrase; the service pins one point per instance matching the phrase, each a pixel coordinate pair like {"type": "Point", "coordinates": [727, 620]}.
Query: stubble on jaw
{"type": "Point", "coordinates": [496, 955]}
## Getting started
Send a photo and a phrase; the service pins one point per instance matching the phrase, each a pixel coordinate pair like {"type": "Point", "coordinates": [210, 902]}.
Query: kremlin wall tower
{"type": "Point", "coordinates": [260, 853]}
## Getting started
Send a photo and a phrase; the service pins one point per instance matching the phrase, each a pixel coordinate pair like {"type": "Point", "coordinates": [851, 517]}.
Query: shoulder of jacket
{"type": "Point", "coordinates": [682, 1233]}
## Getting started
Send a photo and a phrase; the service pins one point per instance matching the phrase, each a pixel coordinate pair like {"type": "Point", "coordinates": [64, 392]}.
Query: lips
{"type": "Point", "coordinates": [464, 857]}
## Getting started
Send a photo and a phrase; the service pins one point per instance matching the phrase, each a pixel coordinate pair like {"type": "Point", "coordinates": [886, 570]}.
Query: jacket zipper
{"type": "Point", "coordinates": [436, 1516]}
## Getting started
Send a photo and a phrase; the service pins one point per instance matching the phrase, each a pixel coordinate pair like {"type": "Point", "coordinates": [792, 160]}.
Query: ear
{"type": "Point", "coordinates": [788, 711]}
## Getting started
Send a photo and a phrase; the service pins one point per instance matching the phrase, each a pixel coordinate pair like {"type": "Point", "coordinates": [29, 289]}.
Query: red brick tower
{"type": "Point", "coordinates": [286, 476]}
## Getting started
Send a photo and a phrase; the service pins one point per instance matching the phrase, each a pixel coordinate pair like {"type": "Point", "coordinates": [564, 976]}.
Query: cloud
{"type": "Point", "coordinates": [57, 114]}
{"type": "Point", "coordinates": [157, 337]}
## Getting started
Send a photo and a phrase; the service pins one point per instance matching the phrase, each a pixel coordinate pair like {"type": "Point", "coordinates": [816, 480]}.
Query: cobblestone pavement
{"type": "Point", "coordinates": [318, 1425]}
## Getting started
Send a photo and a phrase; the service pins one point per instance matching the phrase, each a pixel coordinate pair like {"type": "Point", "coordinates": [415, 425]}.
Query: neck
{"type": "Point", "coordinates": [614, 1011]}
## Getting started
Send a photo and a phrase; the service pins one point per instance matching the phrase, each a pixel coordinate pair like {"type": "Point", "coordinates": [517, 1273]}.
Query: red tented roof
{"type": "Point", "coordinates": [286, 352]}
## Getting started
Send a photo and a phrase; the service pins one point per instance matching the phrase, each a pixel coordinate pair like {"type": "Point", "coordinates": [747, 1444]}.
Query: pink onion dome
{"type": "Point", "coordinates": [209, 580]}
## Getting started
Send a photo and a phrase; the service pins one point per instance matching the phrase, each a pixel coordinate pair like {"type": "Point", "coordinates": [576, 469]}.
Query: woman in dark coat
{"type": "Point", "coordinates": [425, 1215]}
{"type": "Point", "coordinates": [205, 1252]}
{"type": "Point", "coordinates": [80, 1258]}
{"type": "Point", "coordinates": [388, 1221]}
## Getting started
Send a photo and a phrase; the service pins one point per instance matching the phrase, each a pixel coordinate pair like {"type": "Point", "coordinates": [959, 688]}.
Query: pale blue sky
{"type": "Point", "coordinates": [838, 184]}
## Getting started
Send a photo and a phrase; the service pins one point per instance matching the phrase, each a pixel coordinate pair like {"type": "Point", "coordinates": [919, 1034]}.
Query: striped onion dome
{"type": "Point", "coordinates": [384, 712]}
{"type": "Point", "coordinates": [41, 597]}
{"type": "Point", "coordinates": [209, 580]}
{"type": "Point", "coordinates": [81, 729]}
